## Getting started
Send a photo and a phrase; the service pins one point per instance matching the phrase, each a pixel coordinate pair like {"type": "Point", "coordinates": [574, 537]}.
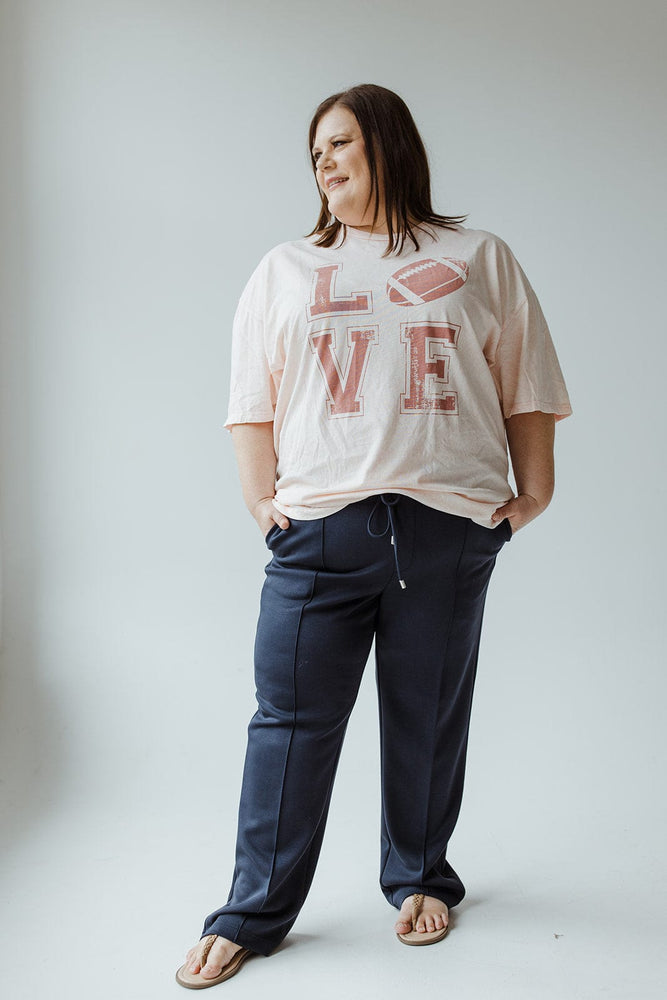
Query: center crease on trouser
{"type": "Point", "coordinates": [389, 500]}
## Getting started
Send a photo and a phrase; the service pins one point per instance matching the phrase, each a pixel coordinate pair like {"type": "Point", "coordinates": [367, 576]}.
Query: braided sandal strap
{"type": "Point", "coordinates": [417, 903]}
{"type": "Point", "coordinates": [209, 939]}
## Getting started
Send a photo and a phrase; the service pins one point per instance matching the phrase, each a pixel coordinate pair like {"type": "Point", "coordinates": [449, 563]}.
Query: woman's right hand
{"type": "Point", "coordinates": [266, 516]}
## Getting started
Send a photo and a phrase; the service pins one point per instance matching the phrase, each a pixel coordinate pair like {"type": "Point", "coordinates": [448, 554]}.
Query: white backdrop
{"type": "Point", "coordinates": [153, 152]}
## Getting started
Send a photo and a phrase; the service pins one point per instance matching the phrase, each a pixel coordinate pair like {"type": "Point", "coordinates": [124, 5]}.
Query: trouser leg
{"type": "Point", "coordinates": [427, 646]}
{"type": "Point", "coordinates": [315, 629]}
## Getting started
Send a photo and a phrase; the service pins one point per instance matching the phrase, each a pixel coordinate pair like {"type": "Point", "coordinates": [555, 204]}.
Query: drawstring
{"type": "Point", "coordinates": [389, 500]}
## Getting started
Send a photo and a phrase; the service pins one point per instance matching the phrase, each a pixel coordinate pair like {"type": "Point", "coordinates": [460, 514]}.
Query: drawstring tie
{"type": "Point", "coordinates": [389, 500]}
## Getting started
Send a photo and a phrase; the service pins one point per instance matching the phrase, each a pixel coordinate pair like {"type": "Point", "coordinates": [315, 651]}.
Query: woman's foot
{"type": "Point", "coordinates": [433, 916]}
{"type": "Point", "coordinates": [215, 957]}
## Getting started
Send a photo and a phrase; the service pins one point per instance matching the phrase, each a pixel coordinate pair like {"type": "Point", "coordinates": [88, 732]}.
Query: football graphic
{"type": "Point", "coordinates": [426, 280]}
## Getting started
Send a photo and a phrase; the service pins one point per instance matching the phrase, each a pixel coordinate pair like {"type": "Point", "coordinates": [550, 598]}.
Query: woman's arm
{"type": "Point", "coordinates": [530, 437]}
{"type": "Point", "coordinates": [256, 461]}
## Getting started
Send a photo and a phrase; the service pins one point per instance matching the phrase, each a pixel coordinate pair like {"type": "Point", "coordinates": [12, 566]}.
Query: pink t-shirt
{"type": "Point", "coordinates": [395, 374]}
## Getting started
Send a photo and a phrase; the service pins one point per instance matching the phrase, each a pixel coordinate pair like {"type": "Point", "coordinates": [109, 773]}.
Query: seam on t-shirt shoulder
{"type": "Point", "coordinates": [510, 318]}
{"type": "Point", "coordinates": [252, 312]}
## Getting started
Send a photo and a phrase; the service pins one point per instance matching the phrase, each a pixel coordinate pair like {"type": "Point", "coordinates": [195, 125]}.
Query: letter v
{"type": "Point", "coordinates": [344, 388]}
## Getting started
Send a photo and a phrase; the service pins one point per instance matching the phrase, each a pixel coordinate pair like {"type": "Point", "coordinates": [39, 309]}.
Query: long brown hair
{"type": "Point", "coordinates": [395, 149]}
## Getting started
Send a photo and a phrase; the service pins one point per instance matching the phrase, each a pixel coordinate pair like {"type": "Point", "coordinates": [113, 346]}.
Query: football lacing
{"type": "Point", "coordinates": [417, 268]}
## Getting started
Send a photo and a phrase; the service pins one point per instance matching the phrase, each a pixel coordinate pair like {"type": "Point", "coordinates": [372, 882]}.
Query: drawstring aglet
{"type": "Point", "coordinates": [403, 584]}
{"type": "Point", "coordinates": [392, 539]}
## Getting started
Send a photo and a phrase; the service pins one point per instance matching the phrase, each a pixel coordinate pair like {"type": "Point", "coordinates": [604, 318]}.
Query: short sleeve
{"type": "Point", "coordinates": [525, 368]}
{"type": "Point", "coordinates": [252, 392]}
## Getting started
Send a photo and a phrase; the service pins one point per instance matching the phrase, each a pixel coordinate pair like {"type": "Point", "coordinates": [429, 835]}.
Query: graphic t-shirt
{"type": "Point", "coordinates": [395, 374]}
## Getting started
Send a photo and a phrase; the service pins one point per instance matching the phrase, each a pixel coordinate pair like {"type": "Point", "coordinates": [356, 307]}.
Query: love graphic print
{"type": "Point", "coordinates": [428, 344]}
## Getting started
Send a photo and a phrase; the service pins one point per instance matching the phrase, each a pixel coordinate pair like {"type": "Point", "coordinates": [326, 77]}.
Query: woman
{"type": "Point", "coordinates": [381, 367]}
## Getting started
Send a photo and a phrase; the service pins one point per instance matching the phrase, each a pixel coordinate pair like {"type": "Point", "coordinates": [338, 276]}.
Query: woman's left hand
{"type": "Point", "coordinates": [519, 511]}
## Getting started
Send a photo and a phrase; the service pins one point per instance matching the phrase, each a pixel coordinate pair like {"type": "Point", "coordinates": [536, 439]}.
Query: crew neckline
{"type": "Point", "coordinates": [363, 237]}
{"type": "Point", "coordinates": [361, 234]}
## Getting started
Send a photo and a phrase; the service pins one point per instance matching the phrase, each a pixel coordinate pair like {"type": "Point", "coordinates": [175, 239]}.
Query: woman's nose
{"type": "Point", "coordinates": [325, 160]}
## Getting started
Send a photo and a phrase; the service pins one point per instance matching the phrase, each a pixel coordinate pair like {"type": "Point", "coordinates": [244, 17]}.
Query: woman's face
{"type": "Point", "coordinates": [342, 169]}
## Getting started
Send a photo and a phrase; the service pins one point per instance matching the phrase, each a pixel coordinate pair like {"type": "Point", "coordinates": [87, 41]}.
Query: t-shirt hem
{"type": "Point", "coordinates": [478, 510]}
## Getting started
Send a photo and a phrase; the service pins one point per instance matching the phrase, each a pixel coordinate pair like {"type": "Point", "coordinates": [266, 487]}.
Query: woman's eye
{"type": "Point", "coordinates": [336, 142]}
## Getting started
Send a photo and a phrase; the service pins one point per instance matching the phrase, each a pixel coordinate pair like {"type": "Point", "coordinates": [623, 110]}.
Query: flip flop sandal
{"type": "Point", "coordinates": [421, 937]}
{"type": "Point", "coordinates": [195, 981]}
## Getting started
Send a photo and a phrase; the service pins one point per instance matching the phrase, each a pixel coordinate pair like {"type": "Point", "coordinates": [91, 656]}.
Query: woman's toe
{"type": "Point", "coordinates": [219, 956]}
{"type": "Point", "coordinates": [211, 970]}
{"type": "Point", "coordinates": [213, 965]}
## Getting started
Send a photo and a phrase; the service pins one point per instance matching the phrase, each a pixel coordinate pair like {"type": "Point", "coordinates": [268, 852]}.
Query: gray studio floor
{"type": "Point", "coordinates": [102, 900]}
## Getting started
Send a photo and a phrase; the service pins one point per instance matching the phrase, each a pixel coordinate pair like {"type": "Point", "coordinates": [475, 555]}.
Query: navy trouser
{"type": "Point", "coordinates": [332, 586]}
